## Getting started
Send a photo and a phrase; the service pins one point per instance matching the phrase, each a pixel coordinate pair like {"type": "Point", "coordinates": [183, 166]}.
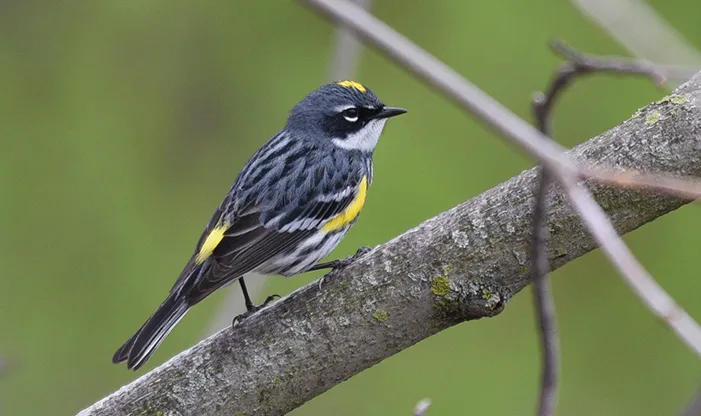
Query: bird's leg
{"type": "Point", "coordinates": [334, 265]}
{"type": "Point", "coordinates": [250, 307]}
{"type": "Point", "coordinates": [341, 263]}
{"type": "Point", "coordinates": [246, 297]}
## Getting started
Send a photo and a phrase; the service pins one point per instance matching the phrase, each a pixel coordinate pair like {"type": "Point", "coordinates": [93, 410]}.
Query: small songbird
{"type": "Point", "coordinates": [290, 206]}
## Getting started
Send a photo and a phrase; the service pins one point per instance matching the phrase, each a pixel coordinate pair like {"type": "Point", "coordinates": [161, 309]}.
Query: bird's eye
{"type": "Point", "coordinates": [350, 114]}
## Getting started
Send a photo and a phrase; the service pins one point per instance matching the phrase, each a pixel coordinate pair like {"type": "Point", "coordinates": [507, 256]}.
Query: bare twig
{"type": "Point", "coordinates": [687, 188]}
{"type": "Point", "coordinates": [642, 284]}
{"type": "Point", "coordinates": [578, 64]}
{"type": "Point", "coordinates": [544, 302]}
{"type": "Point", "coordinates": [619, 254]}
{"type": "Point", "coordinates": [508, 125]}
{"type": "Point", "coordinates": [581, 64]}
{"type": "Point", "coordinates": [542, 291]}
{"type": "Point", "coordinates": [422, 407]}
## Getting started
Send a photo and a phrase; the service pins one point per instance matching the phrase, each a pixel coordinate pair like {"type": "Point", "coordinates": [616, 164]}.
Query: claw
{"type": "Point", "coordinates": [270, 299]}
{"type": "Point", "coordinates": [363, 250]}
{"type": "Point", "coordinates": [339, 264]}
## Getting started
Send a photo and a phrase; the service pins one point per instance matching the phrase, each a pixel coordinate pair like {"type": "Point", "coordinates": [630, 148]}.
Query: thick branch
{"type": "Point", "coordinates": [463, 264]}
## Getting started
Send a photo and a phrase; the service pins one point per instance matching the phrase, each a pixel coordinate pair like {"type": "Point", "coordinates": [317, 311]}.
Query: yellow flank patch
{"type": "Point", "coordinates": [211, 242]}
{"type": "Point", "coordinates": [351, 212]}
{"type": "Point", "coordinates": [352, 84]}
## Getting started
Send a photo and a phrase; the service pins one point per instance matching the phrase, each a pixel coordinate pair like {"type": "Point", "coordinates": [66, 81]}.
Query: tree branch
{"type": "Point", "coordinates": [565, 170]}
{"type": "Point", "coordinates": [464, 264]}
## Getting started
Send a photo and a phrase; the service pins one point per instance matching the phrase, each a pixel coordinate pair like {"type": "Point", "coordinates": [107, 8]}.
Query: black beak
{"type": "Point", "coordinates": [388, 112]}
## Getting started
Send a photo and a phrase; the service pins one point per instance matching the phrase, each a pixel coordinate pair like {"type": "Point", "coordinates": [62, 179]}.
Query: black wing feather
{"type": "Point", "coordinates": [239, 254]}
{"type": "Point", "coordinates": [249, 242]}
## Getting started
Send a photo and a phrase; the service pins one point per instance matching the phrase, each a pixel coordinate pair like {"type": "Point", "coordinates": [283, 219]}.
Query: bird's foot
{"type": "Point", "coordinates": [251, 309]}
{"type": "Point", "coordinates": [341, 263]}
{"type": "Point", "coordinates": [336, 265]}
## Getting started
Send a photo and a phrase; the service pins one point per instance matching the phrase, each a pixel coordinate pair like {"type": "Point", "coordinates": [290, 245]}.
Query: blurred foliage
{"type": "Point", "coordinates": [124, 123]}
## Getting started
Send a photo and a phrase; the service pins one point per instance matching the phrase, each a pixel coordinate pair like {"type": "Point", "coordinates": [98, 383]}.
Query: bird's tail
{"type": "Point", "coordinates": [143, 344]}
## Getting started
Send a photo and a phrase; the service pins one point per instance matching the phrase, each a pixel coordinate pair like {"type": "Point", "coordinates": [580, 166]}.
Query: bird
{"type": "Point", "coordinates": [288, 208]}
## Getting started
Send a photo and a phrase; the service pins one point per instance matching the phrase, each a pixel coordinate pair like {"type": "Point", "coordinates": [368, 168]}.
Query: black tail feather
{"type": "Point", "coordinates": [137, 350]}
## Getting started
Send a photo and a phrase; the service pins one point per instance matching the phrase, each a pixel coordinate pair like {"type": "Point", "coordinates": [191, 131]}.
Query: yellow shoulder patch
{"type": "Point", "coordinates": [352, 84]}
{"type": "Point", "coordinates": [211, 242]}
{"type": "Point", "coordinates": [352, 210]}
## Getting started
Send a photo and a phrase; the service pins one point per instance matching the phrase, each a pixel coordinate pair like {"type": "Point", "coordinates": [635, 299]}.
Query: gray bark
{"type": "Point", "coordinates": [461, 265]}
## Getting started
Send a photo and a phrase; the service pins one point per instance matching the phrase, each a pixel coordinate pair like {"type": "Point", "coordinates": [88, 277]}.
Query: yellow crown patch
{"type": "Point", "coordinates": [352, 84]}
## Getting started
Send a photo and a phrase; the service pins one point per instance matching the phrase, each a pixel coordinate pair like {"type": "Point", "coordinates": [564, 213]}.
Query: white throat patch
{"type": "Point", "coordinates": [364, 139]}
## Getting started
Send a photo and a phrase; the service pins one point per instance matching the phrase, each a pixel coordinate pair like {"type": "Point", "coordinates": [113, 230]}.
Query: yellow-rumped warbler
{"type": "Point", "coordinates": [289, 207]}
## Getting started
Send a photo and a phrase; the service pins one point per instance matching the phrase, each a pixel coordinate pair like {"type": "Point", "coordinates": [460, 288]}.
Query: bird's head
{"type": "Point", "coordinates": [345, 113]}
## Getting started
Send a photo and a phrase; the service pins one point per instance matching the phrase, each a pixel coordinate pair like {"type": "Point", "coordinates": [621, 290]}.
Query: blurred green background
{"type": "Point", "coordinates": [122, 124]}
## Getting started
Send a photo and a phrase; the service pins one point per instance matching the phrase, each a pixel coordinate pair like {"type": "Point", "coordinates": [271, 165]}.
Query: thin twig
{"type": "Point", "coordinates": [544, 302]}
{"type": "Point", "coordinates": [542, 291]}
{"type": "Point", "coordinates": [578, 64]}
{"type": "Point", "coordinates": [635, 275]}
{"type": "Point", "coordinates": [686, 188]}
{"type": "Point", "coordinates": [642, 284]}
{"type": "Point", "coordinates": [581, 64]}
{"type": "Point", "coordinates": [446, 80]}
